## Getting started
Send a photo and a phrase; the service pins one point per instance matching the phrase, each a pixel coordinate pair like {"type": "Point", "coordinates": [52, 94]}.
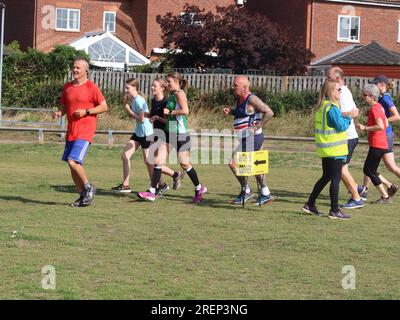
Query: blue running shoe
{"type": "Point", "coordinates": [338, 215]}
{"type": "Point", "coordinates": [353, 204]}
{"type": "Point", "coordinates": [363, 192]}
{"type": "Point", "coordinates": [263, 199]}
{"type": "Point", "coordinates": [239, 200]}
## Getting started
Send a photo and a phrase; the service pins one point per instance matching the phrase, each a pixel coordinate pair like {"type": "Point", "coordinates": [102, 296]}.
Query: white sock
{"type": "Point", "coordinates": [152, 190]}
{"type": "Point", "coordinates": [247, 188]}
{"type": "Point", "coordinates": [265, 191]}
{"type": "Point", "coordinates": [197, 188]}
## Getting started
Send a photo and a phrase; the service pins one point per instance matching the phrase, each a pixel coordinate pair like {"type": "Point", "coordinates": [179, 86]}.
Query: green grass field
{"type": "Point", "coordinates": [123, 248]}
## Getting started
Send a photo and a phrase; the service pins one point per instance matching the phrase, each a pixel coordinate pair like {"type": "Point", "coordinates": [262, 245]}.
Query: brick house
{"type": "Point", "coordinates": [41, 24]}
{"type": "Point", "coordinates": [327, 26]}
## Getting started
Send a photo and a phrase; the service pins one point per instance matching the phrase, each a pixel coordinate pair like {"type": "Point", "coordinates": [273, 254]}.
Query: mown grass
{"type": "Point", "coordinates": [123, 248]}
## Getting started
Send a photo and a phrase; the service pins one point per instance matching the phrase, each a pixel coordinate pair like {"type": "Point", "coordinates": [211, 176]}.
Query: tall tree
{"type": "Point", "coordinates": [188, 37]}
{"type": "Point", "coordinates": [241, 40]}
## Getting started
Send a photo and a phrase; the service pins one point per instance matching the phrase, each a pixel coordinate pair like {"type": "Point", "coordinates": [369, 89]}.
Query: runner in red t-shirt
{"type": "Point", "coordinates": [377, 139]}
{"type": "Point", "coordinates": [81, 101]}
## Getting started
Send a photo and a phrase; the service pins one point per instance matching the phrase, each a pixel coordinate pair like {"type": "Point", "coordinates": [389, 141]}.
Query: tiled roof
{"type": "Point", "coordinates": [370, 54]}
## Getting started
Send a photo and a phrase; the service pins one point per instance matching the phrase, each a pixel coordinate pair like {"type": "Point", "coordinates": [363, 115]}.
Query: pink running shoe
{"type": "Point", "coordinates": [198, 195]}
{"type": "Point", "coordinates": [147, 195]}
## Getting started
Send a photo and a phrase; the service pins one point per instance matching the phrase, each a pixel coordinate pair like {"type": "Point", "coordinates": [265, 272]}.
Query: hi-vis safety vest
{"type": "Point", "coordinates": [329, 142]}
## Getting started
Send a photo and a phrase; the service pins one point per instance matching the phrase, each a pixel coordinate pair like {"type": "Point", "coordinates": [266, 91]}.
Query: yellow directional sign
{"type": "Point", "coordinates": [252, 163]}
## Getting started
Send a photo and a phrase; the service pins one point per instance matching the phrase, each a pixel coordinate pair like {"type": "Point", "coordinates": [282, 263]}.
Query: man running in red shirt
{"type": "Point", "coordinates": [81, 101]}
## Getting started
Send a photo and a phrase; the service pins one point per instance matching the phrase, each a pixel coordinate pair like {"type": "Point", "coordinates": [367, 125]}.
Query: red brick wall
{"type": "Point", "coordinates": [393, 72]}
{"type": "Point", "coordinates": [291, 14]}
{"type": "Point", "coordinates": [19, 22]}
{"type": "Point", "coordinates": [91, 19]}
{"type": "Point", "coordinates": [158, 7]}
{"type": "Point", "coordinates": [377, 23]}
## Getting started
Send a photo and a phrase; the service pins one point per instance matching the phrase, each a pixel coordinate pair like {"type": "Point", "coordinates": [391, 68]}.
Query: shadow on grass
{"type": "Point", "coordinates": [25, 200]}
{"type": "Point", "coordinates": [207, 202]}
{"type": "Point", "coordinates": [99, 191]}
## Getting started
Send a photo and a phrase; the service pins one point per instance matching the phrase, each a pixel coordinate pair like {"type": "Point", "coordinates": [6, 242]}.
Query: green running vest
{"type": "Point", "coordinates": [175, 124]}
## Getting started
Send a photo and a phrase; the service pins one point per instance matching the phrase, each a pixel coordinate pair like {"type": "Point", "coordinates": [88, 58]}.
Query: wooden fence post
{"type": "Point", "coordinates": [110, 139]}
{"type": "Point", "coordinates": [285, 84]}
{"type": "Point", "coordinates": [41, 136]}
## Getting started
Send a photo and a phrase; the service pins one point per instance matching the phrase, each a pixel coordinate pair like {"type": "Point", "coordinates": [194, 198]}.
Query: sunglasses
{"type": "Point", "coordinates": [365, 94]}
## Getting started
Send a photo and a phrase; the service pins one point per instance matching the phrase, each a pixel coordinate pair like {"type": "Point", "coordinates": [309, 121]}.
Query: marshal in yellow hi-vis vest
{"type": "Point", "coordinates": [329, 142]}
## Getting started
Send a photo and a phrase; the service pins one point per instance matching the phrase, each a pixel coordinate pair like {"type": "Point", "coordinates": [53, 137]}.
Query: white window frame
{"type": "Point", "coordinates": [69, 10]}
{"type": "Point", "coordinates": [398, 31]}
{"type": "Point", "coordinates": [115, 21]}
{"type": "Point", "coordinates": [192, 21]}
{"type": "Point", "coordinates": [349, 38]}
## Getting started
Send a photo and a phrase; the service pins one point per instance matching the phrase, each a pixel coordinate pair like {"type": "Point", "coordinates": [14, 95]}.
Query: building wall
{"type": "Point", "coordinates": [377, 23]}
{"type": "Point", "coordinates": [157, 7]}
{"type": "Point", "coordinates": [292, 15]}
{"type": "Point", "coordinates": [129, 24]}
{"type": "Point", "coordinates": [392, 72]}
{"type": "Point", "coordinates": [19, 22]}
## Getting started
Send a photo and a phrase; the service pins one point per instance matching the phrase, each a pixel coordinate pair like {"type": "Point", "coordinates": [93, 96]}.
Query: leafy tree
{"type": "Point", "coordinates": [242, 40]}
{"type": "Point", "coordinates": [26, 74]}
{"type": "Point", "coordinates": [188, 36]}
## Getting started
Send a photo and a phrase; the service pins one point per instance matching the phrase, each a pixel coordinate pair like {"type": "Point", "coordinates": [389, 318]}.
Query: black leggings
{"type": "Point", "coordinates": [372, 163]}
{"type": "Point", "coordinates": [331, 171]}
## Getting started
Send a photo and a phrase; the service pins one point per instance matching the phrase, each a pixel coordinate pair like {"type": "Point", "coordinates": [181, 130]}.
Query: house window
{"type": "Point", "coordinates": [109, 19]}
{"type": "Point", "coordinates": [107, 50]}
{"type": "Point", "coordinates": [349, 28]}
{"type": "Point", "coordinates": [188, 18]}
{"type": "Point", "coordinates": [68, 19]}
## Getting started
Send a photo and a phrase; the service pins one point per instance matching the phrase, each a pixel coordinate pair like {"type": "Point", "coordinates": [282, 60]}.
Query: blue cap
{"type": "Point", "coordinates": [380, 79]}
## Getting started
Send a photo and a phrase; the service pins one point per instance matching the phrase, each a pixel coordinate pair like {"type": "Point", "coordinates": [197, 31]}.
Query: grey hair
{"type": "Point", "coordinates": [373, 90]}
{"type": "Point", "coordinates": [84, 61]}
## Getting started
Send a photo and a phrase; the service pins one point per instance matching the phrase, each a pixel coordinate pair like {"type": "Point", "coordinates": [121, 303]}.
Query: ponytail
{"type": "Point", "coordinates": [183, 83]}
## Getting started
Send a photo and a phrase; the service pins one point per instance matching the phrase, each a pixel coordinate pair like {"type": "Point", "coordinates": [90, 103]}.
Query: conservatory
{"type": "Point", "coordinates": [107, 51]}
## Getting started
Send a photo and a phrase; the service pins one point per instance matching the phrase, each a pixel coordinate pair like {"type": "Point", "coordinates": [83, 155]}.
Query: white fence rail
{"type": "Point", "coordinates": [111, 133]}
{"type": "Point", "coordinates": [213, 82]}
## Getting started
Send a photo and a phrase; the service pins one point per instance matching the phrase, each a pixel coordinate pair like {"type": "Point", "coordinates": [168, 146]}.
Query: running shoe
{"type": "Point", "coordinates": [88, 195]}
{"type": "Point", "coordinates": [262, 199]}
{"type": "Point", "coordinates": [78, 202]}
{"type": "Point", "coordinates": [383, 200]}
{"type": "Point", "coordinates": [353, 204]}
{"type": "Point", "coordinates": [239, 198]}
{"type": "Point", "coordinates": [162, 190]}
{"type": "Point", "coordinates": [198, 194]}
{"type": "Point", "coordinates": [121, 188]}
{"type": "Point", "coordinates": [311, 210]}
{"type": "Point", "coordinates": [363, 192]}
{"type": "Point", "coordinates": [147, 195]}
{"type": "Point", "coordinates": [177, 182]}
{"type": "Point", "coordinates": [338, 215]}
{"type": "Point", "coordinates": [392, 190]}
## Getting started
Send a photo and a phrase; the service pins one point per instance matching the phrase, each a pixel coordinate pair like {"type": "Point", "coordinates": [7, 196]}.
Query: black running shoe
{"type": "Point", "coordinates": [77, 203]}
{"type": "Point", "coordinates": [88, 195]}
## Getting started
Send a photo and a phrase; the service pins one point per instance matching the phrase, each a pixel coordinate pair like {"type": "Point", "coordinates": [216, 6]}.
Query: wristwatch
{"type": "Point", "coordinates": [87, 112]}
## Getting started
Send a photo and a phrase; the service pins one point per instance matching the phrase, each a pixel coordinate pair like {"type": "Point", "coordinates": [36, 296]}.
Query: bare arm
{"type": "Point", "coordinates": [262, 107]}
{"type": "Point", "coordinates": [378, 126]}
{"type": "Point", "coordinates": [130, 113]}
{"type": "Point", "coordinates": [395, 114]}
{"type": "Point", "coordinates": [60, 112]}
{"type": "Point", "coordinates": [102, 107]}
{"type": "Point", "coordinates": [183, 102]}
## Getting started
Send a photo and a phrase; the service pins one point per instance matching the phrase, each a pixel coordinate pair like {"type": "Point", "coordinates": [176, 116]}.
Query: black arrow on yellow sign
{"type": "Point", "coordinates": [258, 162]}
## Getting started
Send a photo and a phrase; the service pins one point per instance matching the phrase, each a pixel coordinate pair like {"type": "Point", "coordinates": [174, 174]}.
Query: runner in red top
{"type": "Point", "coordinates": [377, 139]}
{"type": "Point", "coordinates": [81, 101]}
